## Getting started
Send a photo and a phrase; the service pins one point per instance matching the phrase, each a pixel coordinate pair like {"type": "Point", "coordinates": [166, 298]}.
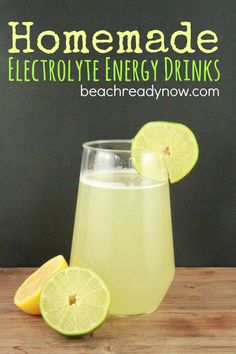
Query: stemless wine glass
{"type": "Point", "coordinates": [123, 228]}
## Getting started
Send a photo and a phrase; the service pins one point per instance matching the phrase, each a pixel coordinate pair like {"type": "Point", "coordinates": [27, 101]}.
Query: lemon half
{"type": "Point", "coordinates": [27, 295]}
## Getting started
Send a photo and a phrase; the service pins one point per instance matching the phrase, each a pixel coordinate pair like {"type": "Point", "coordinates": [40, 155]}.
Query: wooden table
{"type": "Point", "coordinates": [198, 316]}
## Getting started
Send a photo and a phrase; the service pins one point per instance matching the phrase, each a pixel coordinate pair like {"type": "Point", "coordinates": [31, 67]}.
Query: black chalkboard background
{"type": "Point", "coordinates": [42, 127]}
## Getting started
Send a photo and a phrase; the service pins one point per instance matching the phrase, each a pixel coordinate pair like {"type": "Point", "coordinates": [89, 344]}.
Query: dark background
{"type": "Point", "coordinates": [42, 127]}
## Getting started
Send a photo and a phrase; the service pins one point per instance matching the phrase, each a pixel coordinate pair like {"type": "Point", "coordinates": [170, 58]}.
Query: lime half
{"type": "Point", "coordinates": [171, 144]}
{"type": "Point", "coordinates": [74, 301]}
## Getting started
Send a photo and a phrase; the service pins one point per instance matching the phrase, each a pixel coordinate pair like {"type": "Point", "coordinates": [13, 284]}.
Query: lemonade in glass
{"type": "Point", "coordinates": [122, 228]}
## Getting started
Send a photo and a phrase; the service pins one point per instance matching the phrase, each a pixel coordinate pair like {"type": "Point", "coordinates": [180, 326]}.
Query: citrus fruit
{"type": "Point", "coordinates": [169, 145]}
{"type": "Point", "coordinates": [27, 295]}
{"type": "Point", "coordinates": [74, 301]}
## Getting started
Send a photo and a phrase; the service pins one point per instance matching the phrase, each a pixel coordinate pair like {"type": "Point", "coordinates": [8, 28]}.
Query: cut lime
{"type": "Point", "coordinates": [74, 301]}
{"type": "Point", "coordinates": [169, 144]}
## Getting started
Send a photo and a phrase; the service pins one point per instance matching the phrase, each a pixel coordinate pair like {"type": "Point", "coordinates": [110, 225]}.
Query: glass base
{"type": "Point", "coordinates": [164, 293]}
{"type": "Point", "coordinates": [133, 314]}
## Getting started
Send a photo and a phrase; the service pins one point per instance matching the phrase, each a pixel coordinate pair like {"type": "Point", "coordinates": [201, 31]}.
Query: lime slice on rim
{"type": "Point", "coordinates": [74, 301]}
{"type": "Point", "coordinates": [169, 144]}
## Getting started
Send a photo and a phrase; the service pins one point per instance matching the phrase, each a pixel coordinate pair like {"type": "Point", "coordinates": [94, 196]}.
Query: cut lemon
{"type": "Point", "coordinates": [27, 295]}
{"type": "Point", "coordinates": [169, 145]}
{"type": "Point", "coordinates": [74, 301]}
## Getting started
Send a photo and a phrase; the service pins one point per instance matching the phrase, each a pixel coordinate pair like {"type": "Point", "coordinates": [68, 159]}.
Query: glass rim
{"type": "Point", "coordinates": [90, 145]}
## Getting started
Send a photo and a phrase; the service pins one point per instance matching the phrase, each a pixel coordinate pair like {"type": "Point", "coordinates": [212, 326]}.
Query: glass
{"type": "Point", "coordinates": [123, 228]}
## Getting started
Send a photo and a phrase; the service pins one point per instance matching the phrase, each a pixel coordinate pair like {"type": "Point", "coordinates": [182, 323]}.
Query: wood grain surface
{"type": "Point", "coordinates": [198, 316]}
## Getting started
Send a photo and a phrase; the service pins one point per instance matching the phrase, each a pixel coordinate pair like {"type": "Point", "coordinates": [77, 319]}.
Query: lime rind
{"type": "Point", "coordinates": [77, 311]}
{"type": "Point", "coordinates": [153, 137]}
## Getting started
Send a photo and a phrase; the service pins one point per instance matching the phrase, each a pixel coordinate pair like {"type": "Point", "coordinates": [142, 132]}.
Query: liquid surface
{"type": "Point", "coordinates": [123, 232]}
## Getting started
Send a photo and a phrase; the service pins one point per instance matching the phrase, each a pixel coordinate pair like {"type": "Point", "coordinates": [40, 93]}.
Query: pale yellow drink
{"type": "Point", "coordinates": [123, 232]}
